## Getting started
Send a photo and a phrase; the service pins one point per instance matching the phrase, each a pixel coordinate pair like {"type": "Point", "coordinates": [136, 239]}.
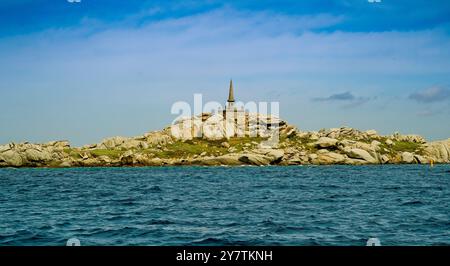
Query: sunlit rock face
{"type": "Point", "coordinates": [439, 151]}
{"type": "Point", "coordinates": [225, 125]}
{"type": "Point", "coordinates": [187, 128]}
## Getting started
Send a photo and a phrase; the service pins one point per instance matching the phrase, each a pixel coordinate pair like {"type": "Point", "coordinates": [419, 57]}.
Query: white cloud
{"type": "Point", "coordinates": [431, 94]}
{"type": "Point", "coordinates": [159, 61]}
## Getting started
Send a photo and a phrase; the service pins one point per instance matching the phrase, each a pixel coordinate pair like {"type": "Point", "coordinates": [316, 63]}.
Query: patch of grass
{"type": "Point", "coordinates": [303, 143]}
{"type": "Point", "coordinates": [113, 154]}
{"type": "Point", "coordinates": [401, 146]}
{"type": "Point", "coordinates": [239, 144]}
{"type": "Point", "coordinates": [406, 146]}
{"type": "Point", "coordinates": [72, 153]}
{"type": "Point", "coordinates": [180, 149]}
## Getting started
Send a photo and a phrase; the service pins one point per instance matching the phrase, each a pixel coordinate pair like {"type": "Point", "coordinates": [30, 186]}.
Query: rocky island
{"type": "Point", "coordinates": [232, 137]}
{"type": "Point", "coordinates": [294, 147]}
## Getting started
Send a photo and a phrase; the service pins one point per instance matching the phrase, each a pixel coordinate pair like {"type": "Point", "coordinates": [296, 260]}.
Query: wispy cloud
{"type": "Point", "coordinates": [345, 96]}
{"type": "Point", "coordinates": [348, 98]}
{"type": "Point", "coordinates": [430, 95]}
{"type": "Point", "coordinates": [427, 113]}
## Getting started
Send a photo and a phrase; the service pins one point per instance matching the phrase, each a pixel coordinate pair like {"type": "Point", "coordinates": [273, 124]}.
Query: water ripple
{"type": "Point", "coordinates": [332, 205]}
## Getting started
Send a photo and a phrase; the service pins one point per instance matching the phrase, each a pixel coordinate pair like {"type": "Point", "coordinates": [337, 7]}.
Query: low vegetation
{"type": "Point", "coordinates": [113, 154]}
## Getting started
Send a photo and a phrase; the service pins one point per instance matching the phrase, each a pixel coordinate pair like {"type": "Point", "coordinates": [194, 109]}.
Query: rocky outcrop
{"type": "Point", "coordinates": [218, 126]}
{"type": "Point", "coordinates": [407, 157]}
{"type": "Point", "coordinates": [438, 151]}
{"type": "Point", "coordinates": [11, 158]}
{"type": "Point", "coordinates": [228, 159]}
{"type": "Point", "coordinates": [254, 157]}
{"type": "Point", "coordinates": [327, 157]}
{"type": "Point", "coordinates": [262, 157]}
{"type": "Point", "coordinates": [325, 142]}
{"type": "Point", "coordinates": [140, 142]}
{"type": "Point", "coordinates": [208, 140]}
{"type": "Point", "coordinates": [33, 155]}
{"type": "Point", "coordinates": [360, 154]}
{"type": "Point", "coordinates": [408, 138]}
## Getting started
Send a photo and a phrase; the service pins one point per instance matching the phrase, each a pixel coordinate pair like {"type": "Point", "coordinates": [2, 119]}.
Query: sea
{"type": "Point", "coordinates": [215, 206]}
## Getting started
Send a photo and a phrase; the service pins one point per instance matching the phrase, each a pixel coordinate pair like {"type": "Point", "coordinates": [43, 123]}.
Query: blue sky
{"type": "Point", "coordinates": [99, 68]}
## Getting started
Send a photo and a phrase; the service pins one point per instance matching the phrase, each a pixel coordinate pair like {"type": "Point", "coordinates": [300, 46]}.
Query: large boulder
{"type": "Point", "coordinates": [33, 155]}
{"type": "Point", "coordinates": [275, 155]}
{"type": "Point", "coordinates": [255, 159]}
{"type": "Point", "coordinates": [111, 143]}
{"type": "Point", "coordinates": [288, 131]}
{"type": "Point", "coordinates": [407, 157]}
{"type": "Point", "coordinates": [227, 159]}
{"type": "Point", "coordinates": [58, 144]}
{"type": "Point", "coordinates": [384, 159]}
{"type": "Point", "coordinates": [361, 154]}
{"type": "Point", "coordinates": [408, 138]}
{"type": "Point", "coordinates": [347, 144]}
{"type": "Point", "coordinates": [12, 158]}
{"type": "Point", "coordinates": [158, 138]}
{"type": "Point", "coordinates": [185, 128]}
{"type": "Point", "coordinates": [346, 132]}
{"type": "Point", "coordinates": [439, 151]}
{"type": "Point", "coordinates": [133, 144]}
{"type": "Point", "coordinates": [421, 159]}
{"type": "Point", "coordinates": [128, 158]}
{"type": "Point", "coordinates": [214, 128]}
{"type": "Point", "coordinates": [330, 158]}
{"type": "Point", "coordinates": [4, 148]}
{"type": "Point", "coordinates": [325, 142]}
{"type": "Point", "coordinates": [371, 133]}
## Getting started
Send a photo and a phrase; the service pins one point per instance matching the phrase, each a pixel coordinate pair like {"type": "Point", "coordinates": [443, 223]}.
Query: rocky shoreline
{"type": "Point", "coordinates": [295, 147]}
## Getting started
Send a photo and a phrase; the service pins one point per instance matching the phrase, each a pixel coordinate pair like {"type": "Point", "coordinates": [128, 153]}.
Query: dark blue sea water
{"type": "Point", "coordinates": [308, 205]}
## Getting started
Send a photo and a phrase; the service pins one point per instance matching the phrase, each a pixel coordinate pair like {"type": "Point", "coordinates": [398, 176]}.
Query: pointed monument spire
{"type": "Point", "coordinates": [231, 93]}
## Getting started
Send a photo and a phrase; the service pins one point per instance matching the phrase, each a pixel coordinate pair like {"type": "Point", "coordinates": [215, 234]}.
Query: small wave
{"type": "Point", "coordinates": [22, 190]}
{"type": "Point", "coordinates": [392, 188]}
{"type": "Point", "coordinates": [118, 218]}
{"type": "Point", "coordinates": [231, 224]}
{"type": "Point", "coordinates": [104, 194]}
{"type": "Point", "coordinates": [334, 196]}
{"type": "Point", "coordinates": [160, 208]}
{"type": "Point", "coordinates": [289, 229]}
{"type": "Point", "coordinates": [415, 202]}
{"type": "Point", "coordinates": [126, 202]}
{"type": "Point", "coordinates": [45, 227]}
{"type": "Point", "coordinates": [329, 186]}
{"type": "Point", "coordinates": [154, 189]}
{"type": "Point", "coordinates": [212, 241]}
{"type": "Point", "coordinates": [268, 221]}
{"type": "Point", "coordinates": [162, 222]}
{"type": "Point", "coordinates": [436, 222]}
